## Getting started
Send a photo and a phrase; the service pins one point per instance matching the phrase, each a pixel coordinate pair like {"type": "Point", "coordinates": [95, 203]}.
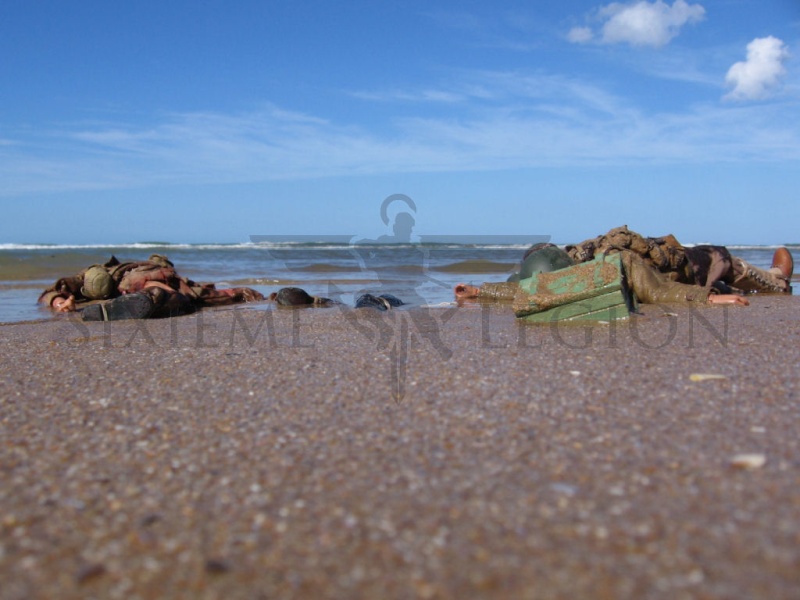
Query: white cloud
{"type": "Point", "coordinates": [642, 23]}
{"type": "Point", "coordinates": [759, 75]}
{"type": "Point", "coordinates": [580, 35]}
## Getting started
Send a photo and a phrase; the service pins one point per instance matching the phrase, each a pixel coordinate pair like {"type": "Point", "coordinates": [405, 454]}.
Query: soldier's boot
{"type": "Point", "coordinates": [776, 280]}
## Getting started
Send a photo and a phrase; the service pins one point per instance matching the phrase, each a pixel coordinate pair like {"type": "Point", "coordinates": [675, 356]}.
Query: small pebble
{"type": "Point", "coordinates": [697, 377]}
{"type": "Point", "coordinates": [216, 566]}
{"type": "Point", "coordinates": [89, 572]}
{"type": "Point", "coordinates": [150, 519]}
{"type": "Point", "coordinates": [748, 461]}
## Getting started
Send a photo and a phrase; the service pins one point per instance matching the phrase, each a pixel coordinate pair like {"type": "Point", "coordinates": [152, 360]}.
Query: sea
{"type": "Point", "coordinates": [421, 273]}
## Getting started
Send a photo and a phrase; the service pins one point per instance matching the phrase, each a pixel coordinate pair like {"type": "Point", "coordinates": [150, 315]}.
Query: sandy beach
{"type": "Point", "coordinates": [449, 454]}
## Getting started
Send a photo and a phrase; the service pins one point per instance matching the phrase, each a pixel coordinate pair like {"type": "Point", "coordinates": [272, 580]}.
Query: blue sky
{"type": "Point", "coordinates": [210, 121]}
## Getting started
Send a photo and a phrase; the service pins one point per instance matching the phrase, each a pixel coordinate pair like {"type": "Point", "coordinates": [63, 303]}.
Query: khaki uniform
{"type": "Point", "coordinates": [132, 277]}
{"type": "Point", "coordinates": [665, 254]}
{"type": "Point", "coordinates": [658, 270]}
{"type": "Point", "coordinates": [702, 265]}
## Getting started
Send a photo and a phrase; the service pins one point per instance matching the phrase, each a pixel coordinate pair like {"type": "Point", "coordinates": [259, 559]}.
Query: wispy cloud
{"type": "Point", "coordinates": [580, 35]}
{"type": "Point", "coordinates": [407, 96]}
{"type": "Point", "coordinates": [504, 120]}
{"type": "Point", "coordinates": [761, 74]}
{"type": "Point", "coordinates": [639, 24]}
{"type": "Point", "coordinates": [512, 30]}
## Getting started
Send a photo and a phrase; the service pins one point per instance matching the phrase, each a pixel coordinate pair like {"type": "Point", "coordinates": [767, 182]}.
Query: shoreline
{"type": "Point", "coordinates": [417, 278]}
{"type": "Point", "coordinates": [420, 453]}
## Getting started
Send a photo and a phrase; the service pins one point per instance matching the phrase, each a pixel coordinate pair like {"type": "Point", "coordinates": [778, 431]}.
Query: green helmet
{"type": "Point", "coordinates": [97, 284]}
{"type": "Point", "coordinates": [543, 258]}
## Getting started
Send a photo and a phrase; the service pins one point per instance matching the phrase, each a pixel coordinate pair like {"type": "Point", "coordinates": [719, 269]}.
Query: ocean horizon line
{"type": "Point", "coordinates": [322, 245]}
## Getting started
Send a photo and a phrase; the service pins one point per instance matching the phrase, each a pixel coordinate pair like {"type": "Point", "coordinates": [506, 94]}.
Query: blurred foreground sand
{"type": "Point", "coordinates": [251, 453]}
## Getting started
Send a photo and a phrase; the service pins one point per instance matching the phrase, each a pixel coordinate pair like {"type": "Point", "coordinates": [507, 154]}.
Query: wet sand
{"type": "Point", "coordinates": [203, 457]}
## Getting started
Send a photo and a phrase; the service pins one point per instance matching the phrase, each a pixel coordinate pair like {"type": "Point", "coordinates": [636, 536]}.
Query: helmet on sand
{"type": "Point", "coordinates": [97, 284]}
{"type": "Point", "coordinates": [543, 258]}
